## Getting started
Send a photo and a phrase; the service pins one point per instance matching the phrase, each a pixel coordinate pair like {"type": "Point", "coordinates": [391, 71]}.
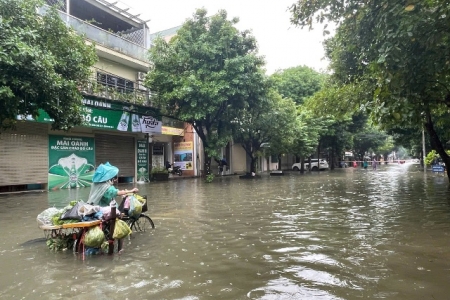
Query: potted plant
{"type": "Point", "coordinates": [159, 174]}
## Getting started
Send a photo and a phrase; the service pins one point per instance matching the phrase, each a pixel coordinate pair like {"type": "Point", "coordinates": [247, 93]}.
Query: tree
{"type": "Point", "coordinates": [307, 139]}
{"type": "Point", "coordinates": [336, 139]}
{"type": "Point", "coordinates": [387, 147]}
{"type": "Point", "coordinates": [298, 83]}
{"type": "Point", "coordinates": [269, 121]}
{"type": "Point", "coordinates": [398, 51]}
{"type": "Point", "coordinates": [42, 64]}
{"type": "Point", "coordinates": [207, 72]}
{"type": "Point", "coordinates": [368, 140]}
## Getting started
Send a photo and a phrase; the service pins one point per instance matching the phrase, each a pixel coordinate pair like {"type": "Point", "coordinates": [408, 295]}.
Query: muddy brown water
{"type": "Point", "coordinates": [344, 234]}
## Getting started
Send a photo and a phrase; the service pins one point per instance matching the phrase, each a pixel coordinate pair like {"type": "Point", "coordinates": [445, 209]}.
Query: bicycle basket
{"type": "Point", "coordinates": [144, 207]}
{"type": "Point", "coordinates": [122, 204]}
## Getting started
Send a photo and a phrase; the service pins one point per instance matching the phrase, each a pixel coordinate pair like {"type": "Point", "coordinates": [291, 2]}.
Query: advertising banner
{"type": "Point", "coordinates": [172, 131]}
{"type": "Point", "coordinates": [71, 162]}
{"type": "Point", "coordinates": [109, 115]}
{"type": "Point", "coordinates": [142, 161]}
{"type": "Point", "coordinates": [150, 125]}
{"type": "Point", "coordinates": [183, 153]}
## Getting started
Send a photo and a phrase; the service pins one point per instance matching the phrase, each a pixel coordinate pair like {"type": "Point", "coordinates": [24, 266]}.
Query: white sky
{"type": "Point", "coordinates": [282, 44]}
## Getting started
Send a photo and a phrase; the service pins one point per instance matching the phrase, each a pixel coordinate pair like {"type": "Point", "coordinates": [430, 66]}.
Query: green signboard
{"type": "Point", "coordinates": [105, 114]}
{"type": "Point", "coordinates": [71, 162]}
{"type": "Point", "coordinates": [142, 160]}
{"type": "Point", "coordinates": [111, 119]}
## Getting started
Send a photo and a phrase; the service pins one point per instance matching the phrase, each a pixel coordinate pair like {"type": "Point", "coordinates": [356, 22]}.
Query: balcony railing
{"type": "Point", "coordinates": [131, 92]}
{"type": "Point", "coordinates": [172, 123]}
{"type": "Point", "coordinates": [103, 37]}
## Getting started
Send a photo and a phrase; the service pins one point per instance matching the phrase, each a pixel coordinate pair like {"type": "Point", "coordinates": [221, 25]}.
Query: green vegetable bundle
{"type": "Point", "coordinates": [94, 237]}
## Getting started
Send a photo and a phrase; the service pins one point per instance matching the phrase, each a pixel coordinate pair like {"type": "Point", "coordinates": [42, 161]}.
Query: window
{"type": "Point", "coordinates": [122, 85]}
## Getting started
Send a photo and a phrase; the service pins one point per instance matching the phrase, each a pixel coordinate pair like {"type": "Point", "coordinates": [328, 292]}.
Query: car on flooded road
{"type": "Point", "coordinates": [320, 164]}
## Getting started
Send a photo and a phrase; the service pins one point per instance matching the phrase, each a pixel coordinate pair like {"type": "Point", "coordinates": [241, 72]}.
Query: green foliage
{"type": "Point", "coordinates": [308, 130]}
{"type": "Point", "coordinates": [209, 178]}
{"type": "Point", "coordinates": [396, 53]}
{"type": "Point", "coordinates": [298, 83]}
{"type": "Point", "coordinates": [387, 147]}
{"type": "Point", "coordinates": [369, 140]}
{"type": "Point", "coordinates": [432, 156]}
{"type": "Point", "coordinates": [204, 74]}
{"type": "Point", "coordinates": [269, 120]}
{"type": "Point", "coordinates": [60, 242]}
{"type": "Point", "coordinates": [42, 64]}
{"type": "Point", "coordinates": [158, 170]}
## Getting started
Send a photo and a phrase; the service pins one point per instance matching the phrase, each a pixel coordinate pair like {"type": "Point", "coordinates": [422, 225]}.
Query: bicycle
{"type": "Point", "coordinates": [142, 223]}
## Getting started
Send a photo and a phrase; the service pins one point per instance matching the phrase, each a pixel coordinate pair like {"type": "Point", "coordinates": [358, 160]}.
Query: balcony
{"type": "Point", "coordinates": [120, 41]}
{"type": "Point", "coordinates": [105, 85]}
{"type": "Point", "coordinates": [167, 121]}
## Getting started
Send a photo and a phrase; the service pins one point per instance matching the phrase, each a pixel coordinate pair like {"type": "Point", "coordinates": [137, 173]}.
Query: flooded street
{"type": "Point", "coordinates": [343, 234]}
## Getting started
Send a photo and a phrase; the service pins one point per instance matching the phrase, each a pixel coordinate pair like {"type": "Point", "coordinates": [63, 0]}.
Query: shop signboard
{"type": "Point", "coordinates": [183, 153]}
{"type": "Point", "coordinates": [71, 162]}
{"type": "Point", "coordinates": [115, 116]}
{"type": "Point", "coordinates": [438, 168]}
{"type": "Point", "coordinates": [142, 161]}
{"type": "Point", "coordinates": [150, 125]}
{"type": "Point", "coordinates": [172, 131]}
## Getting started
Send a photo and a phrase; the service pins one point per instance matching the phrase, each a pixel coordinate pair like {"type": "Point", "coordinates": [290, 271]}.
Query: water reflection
{"type": "Point", "coordinates": [346, 234]}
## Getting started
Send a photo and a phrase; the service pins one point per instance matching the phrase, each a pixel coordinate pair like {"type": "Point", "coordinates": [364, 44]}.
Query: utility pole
{"type": "Point", "coordinates": [423, 151]}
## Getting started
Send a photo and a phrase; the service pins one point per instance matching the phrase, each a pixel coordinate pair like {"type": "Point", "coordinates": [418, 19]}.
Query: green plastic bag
{"type": "Point", "coordinates": [94, 237]}
{"type": "Point", "coordinates": [121, 230]}
{"type": "Point", "coordinates": [135, 207]}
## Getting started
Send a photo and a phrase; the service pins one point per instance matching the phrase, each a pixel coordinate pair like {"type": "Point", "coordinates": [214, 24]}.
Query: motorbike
{"type": "Point", "coordinates": [175, 170]}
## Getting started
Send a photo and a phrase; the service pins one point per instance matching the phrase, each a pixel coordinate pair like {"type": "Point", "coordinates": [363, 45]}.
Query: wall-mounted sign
{"type": "Point", "coordinates": [158, 149]}
{"type": "Point", "coordinates": [142, 161]}
{"type": "Point", "coordinates": [115, 116]}
{"type": "Point", "coordinates": [183, 155]}
{"type": "Point", "coordinates": [71, 162]}
{"type": "Point", "coordinates": [172, 131]}
{"type": "Point", "coordinates": [150, 125]}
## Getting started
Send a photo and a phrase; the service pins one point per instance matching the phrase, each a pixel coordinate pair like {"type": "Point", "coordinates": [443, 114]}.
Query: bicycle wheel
{"type": "Point", "coordinates": [142, 224]}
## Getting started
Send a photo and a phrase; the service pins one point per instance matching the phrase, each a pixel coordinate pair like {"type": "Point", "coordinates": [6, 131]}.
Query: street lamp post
{"type": "Point", "coordinates": [423, 151]}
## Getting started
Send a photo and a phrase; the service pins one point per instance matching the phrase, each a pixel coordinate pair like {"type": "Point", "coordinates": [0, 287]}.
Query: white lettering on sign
{"type": "Point", "coordinates": [96, 103]}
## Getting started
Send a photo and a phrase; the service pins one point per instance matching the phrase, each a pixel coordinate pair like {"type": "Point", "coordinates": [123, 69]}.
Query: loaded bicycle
{"type": "Point", "coordinates": [139, 223]}
{"type": "Point", "coordinates": [74, 234]}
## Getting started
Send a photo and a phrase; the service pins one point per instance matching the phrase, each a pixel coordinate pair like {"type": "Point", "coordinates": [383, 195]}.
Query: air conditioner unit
{"type": "Point", "coordinates": [141, 87]}
{"type": "Point", "coordinates": [140, 76]}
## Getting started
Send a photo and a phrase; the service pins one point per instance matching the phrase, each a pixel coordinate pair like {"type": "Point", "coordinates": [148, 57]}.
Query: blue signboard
{"type": "Point", "coordinates": [437, 168]}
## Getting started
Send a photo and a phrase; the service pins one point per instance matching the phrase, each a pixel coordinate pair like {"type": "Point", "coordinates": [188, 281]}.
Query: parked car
{"type": "Point", "coordinates": [322, 165]}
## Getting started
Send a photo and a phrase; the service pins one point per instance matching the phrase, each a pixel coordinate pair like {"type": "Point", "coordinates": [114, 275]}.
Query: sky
{"type": "Point", "coordinates": [283, 45]}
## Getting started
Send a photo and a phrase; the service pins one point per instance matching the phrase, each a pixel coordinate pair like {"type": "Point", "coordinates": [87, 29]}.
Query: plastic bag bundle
{"type": "Point", "coordinates": [72, 212]}
{"type": "Point", "coordinates": [94, 237]}
{"type": "Point", "coordinates": [121, 229]}
{"type": "Point", "coordinates": [45, 217]}
{"type": "Point", "coordinates": [135, 207]}
{"type": "Point", "coordinates": [87, 209]}
{"type": "Point", "coordinates": [140, 199]}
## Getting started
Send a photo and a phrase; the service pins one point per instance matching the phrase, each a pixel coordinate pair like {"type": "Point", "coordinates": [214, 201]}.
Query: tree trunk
{"type": "Point", "coordinates": [253, 165]}
{"type": "Point", "coordinates": [436, 143]}
{"type": "Point", "coordinates": [207, 164]}
{"type": "Point", "coordinates": [333, 157]}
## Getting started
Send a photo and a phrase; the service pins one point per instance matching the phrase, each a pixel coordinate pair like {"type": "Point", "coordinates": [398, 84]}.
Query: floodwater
{"type": "Point", "coordinates": [343, 234]}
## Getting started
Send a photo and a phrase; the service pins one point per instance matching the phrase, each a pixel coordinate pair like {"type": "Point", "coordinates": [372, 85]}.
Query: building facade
{"type": "Point", "coordinates": [121, 125]}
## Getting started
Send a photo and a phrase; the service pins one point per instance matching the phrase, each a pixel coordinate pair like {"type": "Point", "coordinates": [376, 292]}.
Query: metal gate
{"type": "Point", "coordinates": [24, 154]}
{"type": "Point", "coordinates": [118, 150]}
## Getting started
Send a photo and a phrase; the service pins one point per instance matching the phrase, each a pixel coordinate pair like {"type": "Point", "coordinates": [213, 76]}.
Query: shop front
{"type": "Point", "coordinates": [36, 157]}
